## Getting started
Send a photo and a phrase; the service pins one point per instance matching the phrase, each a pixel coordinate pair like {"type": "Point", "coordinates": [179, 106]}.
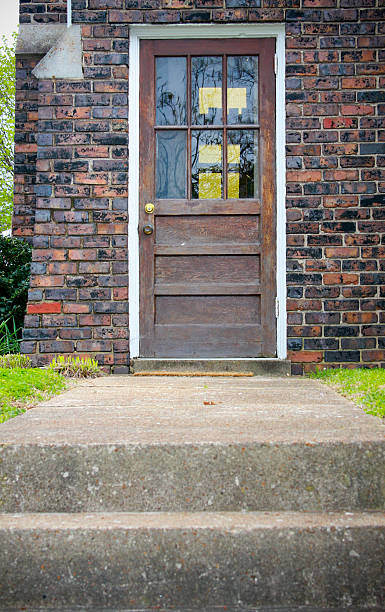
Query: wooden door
{"type": "Point", "coordinates": [207, 165]}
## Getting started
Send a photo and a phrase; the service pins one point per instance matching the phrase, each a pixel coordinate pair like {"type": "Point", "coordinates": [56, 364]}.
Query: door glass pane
{"type": "Point", "coordinates": [242, 89]}
{"type": "Point", "coordinates": [242, 159]}
{"type": "Point", "coordinates": [171, 91]}
{"type": "Point", "coordinates": [171, 164]}
{"type": "Point", "coordinates": [206, 154]}
{"type": "Point", "coordinates": [206, 90]}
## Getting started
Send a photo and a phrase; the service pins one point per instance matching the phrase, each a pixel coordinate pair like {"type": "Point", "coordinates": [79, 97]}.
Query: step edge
{"type": "Point", "coordinates": [201, 521]}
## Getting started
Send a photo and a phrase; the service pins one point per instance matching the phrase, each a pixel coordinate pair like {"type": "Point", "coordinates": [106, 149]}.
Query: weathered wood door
{"type": "Point", "coordinates": [207, 165]}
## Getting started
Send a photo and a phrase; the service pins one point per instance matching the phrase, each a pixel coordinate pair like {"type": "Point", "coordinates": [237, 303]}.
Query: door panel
{"type": "Point", "coordinates": [207, 310]}
{"type": "Point", "coordinates": [211, 230]}
{"type": "Point", "coordinates": [207, 155]}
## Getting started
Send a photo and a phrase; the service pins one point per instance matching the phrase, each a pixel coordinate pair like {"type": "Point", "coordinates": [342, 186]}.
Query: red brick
{"type": "Point", "coordinates": [120, 293]}
{"type": "Point", "coordinates": [44, 307]}
{"type": "Point", "coordinates": [341, 175]}
{"type": "Point", "coordinates": [59, 267]}
{"type": "Point", "coordinates": [359, 83]}
{"type": "Point", "coordinates": [340, 279]}
{"type": "Point", "coordinates": [97, 151]}
{"type": "Point", "coordinates": [359, 317]}
{"type": "Point", "coordinates": [304, 305]}
{"type": "Point", "coordinates": [374, 355]}
{"type": "Point", "coordinates": [338, 122]}
{"type": "Point", "coordinates": [72, 308]}
{"type": "Point", "coordinates": [95, 319]}
{"type": "Point", "coordinates": [305, 356]}
{"type": "Point", "coordinates": [111, 228]}
{"type": "Point", "coordinates": [110, 192]}
{"type": "Point", "coordinates": [303, 176]}
{"type": "Point", "coordinates": [25, 148]}
{"type": "Point", "coordinates": [341, 252]}
{"type": "Point", "coordinates": [82, 254]}
{"type": "Point", "coordinates": [126, 16]}
{"type": "Point", "coordinates": [71, 112]}
{"type": "Point", "coordinates": [47, 281]}
{"type": "Point", "coordinates": [48, 255]}
{"type": "Point", "coordinates": [90, 178]}
{"type": "Point", "coordinates": [357, 109]}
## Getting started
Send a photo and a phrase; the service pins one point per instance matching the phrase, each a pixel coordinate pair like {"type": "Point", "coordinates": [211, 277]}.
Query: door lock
{"type": "Point", "coordinates": [149, 208]}
{"type": "Point", "coordinates": [148, 229]}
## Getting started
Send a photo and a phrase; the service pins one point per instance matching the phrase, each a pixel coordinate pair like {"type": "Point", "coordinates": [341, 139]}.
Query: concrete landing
{"type": "Point", "coordinates": [168, 410]}
{"type": "Point", "coordinates": [191, 444]}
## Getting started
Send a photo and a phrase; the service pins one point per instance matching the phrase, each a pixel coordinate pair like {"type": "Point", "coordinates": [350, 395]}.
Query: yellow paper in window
{"type": "Point", "coordinates": [210, 185]}
{"type": "Point", "coordinates": [233, 185]}
{"type": "Point", "coordinates": [236, 98]}
{"type": "Point", "coordinates": [209, 97]}
{"type": "Point", "coordinates": [233, 153]}
{"type": "Point", "coordinates": [210, 154]}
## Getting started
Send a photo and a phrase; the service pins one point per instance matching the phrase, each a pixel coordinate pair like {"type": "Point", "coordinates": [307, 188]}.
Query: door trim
{"type": "Point", "coordinates": [139, 32]}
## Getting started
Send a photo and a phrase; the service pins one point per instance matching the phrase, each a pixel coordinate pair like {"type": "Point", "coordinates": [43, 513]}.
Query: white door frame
{"type": "Point", "coordinates": [138, 32]}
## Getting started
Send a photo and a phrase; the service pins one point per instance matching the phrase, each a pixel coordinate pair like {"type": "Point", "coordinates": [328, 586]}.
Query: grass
{"type": "Point", "coordinates": [9, 341]}
{"type": "Point", "coordinates": [22, 388]}
{"type": "Point", "coordinates": [366, 387]}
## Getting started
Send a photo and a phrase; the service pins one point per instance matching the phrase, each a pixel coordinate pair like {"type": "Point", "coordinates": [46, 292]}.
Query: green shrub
{"type": "Point", "coordinates": [75, 367]}
{"type": "Point", "coordinates": [15, 361]}
{"type": "Point", "coordinates": [15, 263]}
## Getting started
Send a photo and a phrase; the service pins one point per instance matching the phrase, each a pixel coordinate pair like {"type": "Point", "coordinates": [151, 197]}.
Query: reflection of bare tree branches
{"type": "Point", "coordinates": [170, 108]}
{"type": "Point", "coordinates": [171, 91]}
{"type": "Point", "coordinates": [243, 72]}
{"type": "Point", "coordinates": [247, 167]}
{"type": "Point", "coordinates": [199, 139]}
{"type": "Point", "coordinates": [171, 165]}
{"type": "Point", "coordinates": [205, 72]}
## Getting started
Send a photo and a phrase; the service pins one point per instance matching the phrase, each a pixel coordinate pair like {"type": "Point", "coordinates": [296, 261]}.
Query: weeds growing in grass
{"type": "Point", "coordinates": [9, 342]}
{"type": "Point", "coordinates": [366, 387]}
{"type": "Point", "coordinates": [15, 361]}
{"type": "Point", "coordinates": [22, 388]}
{"type": "Point", "coordinates": [75, 367]}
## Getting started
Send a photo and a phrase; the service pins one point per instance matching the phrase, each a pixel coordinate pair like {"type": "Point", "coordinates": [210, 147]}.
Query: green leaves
{"type": "Point", "coordinates": [15, 262]}
{"type": "Point", "coordinates": [7, 129]}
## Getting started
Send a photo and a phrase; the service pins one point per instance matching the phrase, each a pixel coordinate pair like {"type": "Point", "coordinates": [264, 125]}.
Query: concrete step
{"type": "Point", "coordinates": [195, 561]}
{"type": "Point", "coordinates": [208, 477]}
{"type": "Point", "coordinates": [217, 609]}
{"type": "Point", "coordinates": [160, 444]}
{"type": "Point", "coordinates": [258, 367]}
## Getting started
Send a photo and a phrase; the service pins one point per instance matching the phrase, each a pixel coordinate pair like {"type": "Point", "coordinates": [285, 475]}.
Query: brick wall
{"type": "Point", "coordinates": [335, 180]}
{"type": "Point", "coordinates": [79, 285]}
{"type": "Point", "coordinates": [336, 183]}
{"type": "Point", "coordinates": [25, 148]}
{"type": "Point", "coordinates": [43, 11]}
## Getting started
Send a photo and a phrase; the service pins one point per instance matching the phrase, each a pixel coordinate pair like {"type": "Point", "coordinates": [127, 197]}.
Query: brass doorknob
{"type": "Point", "coordinates": [148, 229]}
{"type": "Point", "coordinates": [149, 208]}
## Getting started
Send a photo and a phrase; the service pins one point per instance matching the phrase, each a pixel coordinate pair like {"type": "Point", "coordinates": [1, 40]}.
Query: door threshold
{"type": "Point", "coordinates": [195, 366]}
